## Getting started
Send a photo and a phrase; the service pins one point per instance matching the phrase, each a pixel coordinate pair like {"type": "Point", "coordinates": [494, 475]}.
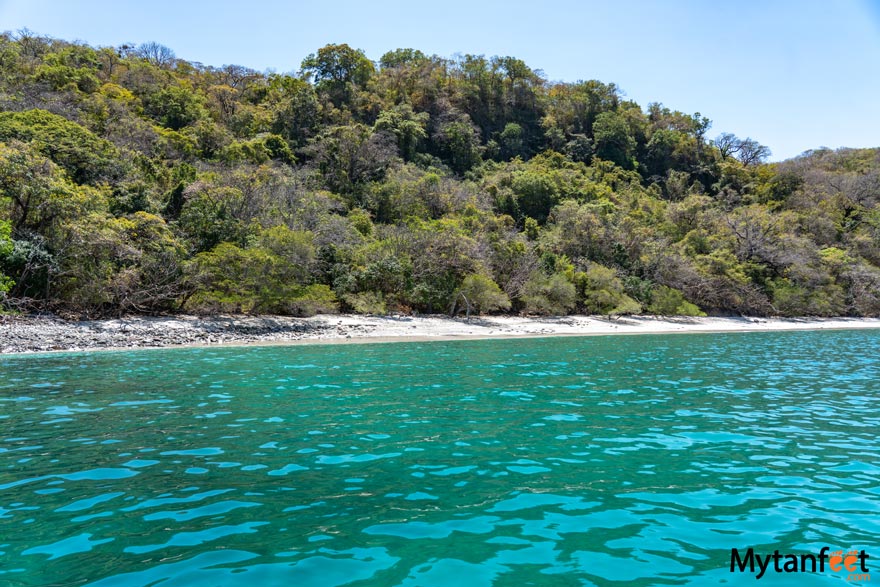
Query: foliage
{"type": "Point", "coordinates": [367, 302]}
{"type": "Point", "coordinates": [6, 248]}
{"type": "Point", "coordinates": [86, 157]}
{"type": "Point", "coordinates": [37, 195]}
{"type": "Point", "coordinates": [135, 181]}
{"type": "Point", "coordinates": [271, 277]}
{"type": "Point", "coordinates": [481, 294]}
{"type": "Point", "coordinates": [602, 292]}
{"type": "Point", "coordinates": [666, 301]}
{"type": "Point", "coordinates": [407, 126]}
{"type": "Point", "coordinates": [338, 70]}
{"type": "Point", "coordinates": [129, 264]}
{"type": "Point", "coordinates": [174, 106]}
{"type": "Point", "coordinates": [554, 295]}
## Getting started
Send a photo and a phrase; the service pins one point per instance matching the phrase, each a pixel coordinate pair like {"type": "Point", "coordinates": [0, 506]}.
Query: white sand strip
{"type": "Point", "coordinates": [41, 334]}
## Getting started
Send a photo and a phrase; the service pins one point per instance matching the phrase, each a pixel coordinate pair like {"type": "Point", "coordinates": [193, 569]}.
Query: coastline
{"type": "Point", "coordinates": [24, 335]}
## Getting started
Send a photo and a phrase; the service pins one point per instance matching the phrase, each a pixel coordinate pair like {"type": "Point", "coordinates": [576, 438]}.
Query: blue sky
{"type": "Point", "coordinates": [793, 75]}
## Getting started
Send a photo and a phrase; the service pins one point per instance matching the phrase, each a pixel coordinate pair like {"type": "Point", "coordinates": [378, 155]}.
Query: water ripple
{"type": "Point", "coordinates": [591, 461]}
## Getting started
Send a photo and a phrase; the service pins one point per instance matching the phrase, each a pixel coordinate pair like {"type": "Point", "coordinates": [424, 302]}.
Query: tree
{"type": "Point", "coordinates": [574, 107]}
{"type": "Point", "coordinates": [751, 152]}
{"type": "Point", "coordinates": [119, 265]}
{"type": "Point", "coordinates": [409, 187]}
{"type": "Point", "coordinates": [512, 141]}
{"type": "Point", "coordinates": [209, 216]}
{"type": "Point", "coordinates": [37, 195]}
{"type": "Point", "coordinates": [175, 106]}
{"type": "Point", "coordinates": [602, 292]}
{"type": "Point", "coordinates": [536, 193]}
{"type": "Point", "coordinates": [407, 126]}
{"type": "Point", "coordinates": [338, 70]}
{"type": "Point", "coordinates": [157, 54]}
{"type": "Point", "coordinates": [271, 277]}
{"type": "Point", "coordinates": [457, 140]}
{"type": "Point", "coordinates": [727, 144]}
{"type": "Point", "coordinates": [442, 254]}
{"type": "Point", "coordinates": [6, 282]}
{"type": "Point", "coordinates": [401, 57]}
{"type": "Point", "coordinates": [666, 301]}
{"type": "Point", "coordinates": [553, 295]}
{"type": "Point", "coordinates": [613, 140]}
{"type": "Point", "coordinates": [88, 158]}
{"type": "Point", "coordinates": [295, 109]}
{"type": "Point", "coordinates": [351, 155]}
{"type": "Point", "coordinates": [748, 151]}
{"type": "Point", "coordinates": [479, 293]}
{"type": "Point", "coordinates": [579, 149]}
{"type": "Point", "coordinates": [295, 250]}
{"type": "Point", "coordinates": [580, 231]}
{"type": "Point", "coordinates": [377, 277]}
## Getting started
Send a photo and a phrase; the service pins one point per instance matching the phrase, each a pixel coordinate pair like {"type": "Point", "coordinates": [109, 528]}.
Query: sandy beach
{"type": "Point", "coordinates": [45, 334]}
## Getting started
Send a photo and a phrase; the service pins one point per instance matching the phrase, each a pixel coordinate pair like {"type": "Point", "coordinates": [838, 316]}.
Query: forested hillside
{"type": "Point", "coordinates": [133, 181]}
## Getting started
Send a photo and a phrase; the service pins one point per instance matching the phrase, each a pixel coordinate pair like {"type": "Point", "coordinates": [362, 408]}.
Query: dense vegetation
{"type": "Point", "coordinates": [133, 181]}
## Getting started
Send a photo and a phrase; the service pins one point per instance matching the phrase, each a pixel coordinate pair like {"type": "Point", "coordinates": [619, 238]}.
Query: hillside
{"type": "Point", "coordinates": [132, 181]}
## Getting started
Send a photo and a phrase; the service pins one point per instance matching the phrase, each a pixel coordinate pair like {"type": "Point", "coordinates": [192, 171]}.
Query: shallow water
{"type": "Point", "coordinates": [638, 460]}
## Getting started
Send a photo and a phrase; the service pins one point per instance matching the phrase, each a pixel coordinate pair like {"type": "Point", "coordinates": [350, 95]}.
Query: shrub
{"type": "Point", "coordinates": [367, 302]}
{"type": "Point", "coordinates": [268, 278]}
{"type": "Point", "coordinates": [481, 294]}
{"type": "Point", "coordinates": [602, 292]}
{"type": "Point", "coordinates": [666, 301]}
{"type": "Point", "coordinates": [554, 295]}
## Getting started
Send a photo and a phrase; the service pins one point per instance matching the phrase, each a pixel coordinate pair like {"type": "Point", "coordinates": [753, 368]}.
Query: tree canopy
{"type": "Point", "coordinates": [132, 180]}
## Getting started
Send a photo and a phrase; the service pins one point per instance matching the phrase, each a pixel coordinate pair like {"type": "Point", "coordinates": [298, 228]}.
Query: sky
{"type": "Point", "coordinates": [793, 75]}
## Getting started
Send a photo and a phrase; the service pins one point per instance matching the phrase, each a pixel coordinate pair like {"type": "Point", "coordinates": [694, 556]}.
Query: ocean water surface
{"type": "Point", "coordinates": [616, 460]}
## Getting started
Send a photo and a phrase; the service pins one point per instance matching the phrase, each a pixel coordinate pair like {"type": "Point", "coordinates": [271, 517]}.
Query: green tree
{"type": "Point", "coordinates": [338, 70]}
{"type": "Point", "coordinates": [401, 57]}
{"type": "Point", "coordinates": [602, 292]}
{"type": "Point", "coordinates": [209, 216]}
{"type": "Point", "coordinates": [554, 295]}
{"type": "Point", "coordinates": [613, 140]}
{"type": "Point", "coordinates": [458, 142]}
{"type": "Point", "coordinates": [117, 265]}
{"type": "Point", "coordinates": [88, 158]}
{"type": "Point", "coordinates": [443, 254]}
{"type": "Point", "coordinates": [403, 187]}
{"type": "Point", "coordinates": [536, 193]}
{"type": "Point", "coordinates": [479, 293]}
{"type": "Point", "coordinates": [6, 282]}
{"type": "Point", "coordinates": [407, 126]}
{"type": "Point", "coordinates": [271, 277]}
{"type": "Point", "coordinates": [295, 108]}
{"type": "Point", "coordinates": [175, 106]}
{"type": "Point", "coordinates": [349, 156]}
{"type": "Point", "coordinates": [512, 141]}
{"type": "Point", "coordinates": [37, 194]}
{"type": "Point", "coordinates": [666, 301]}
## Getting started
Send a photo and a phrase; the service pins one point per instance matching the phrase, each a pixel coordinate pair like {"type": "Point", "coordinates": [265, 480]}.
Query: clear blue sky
{"type": "Point", "coordinates": [791, 74]}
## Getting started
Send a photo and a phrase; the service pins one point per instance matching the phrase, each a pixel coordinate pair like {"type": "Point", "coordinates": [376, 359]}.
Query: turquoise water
{"type": "Point", "coordinates": [638, 460]}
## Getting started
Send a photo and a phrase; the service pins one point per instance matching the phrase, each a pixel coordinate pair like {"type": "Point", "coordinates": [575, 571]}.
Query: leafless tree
{"type": "Point", "coordinates": [32, 45]}
{"type": "Point", "coordinates": [237, 76]}
{"type": "Point", "coordinates": [751, 152]}
{"type": "Point", "coordinates": [157, 54]}
{"type": "Point", "coordinates": [748, 151]}
{"type": "Point", "coordinates": [727, 144]}
{"type": "Point", "coordinates": [859, 189]}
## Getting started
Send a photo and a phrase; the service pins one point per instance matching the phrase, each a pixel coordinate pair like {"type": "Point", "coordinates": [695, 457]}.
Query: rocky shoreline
{"type": "Point", "coordinates": [40, 334]}
{"type": "Point", "coordinates": [29, 334]}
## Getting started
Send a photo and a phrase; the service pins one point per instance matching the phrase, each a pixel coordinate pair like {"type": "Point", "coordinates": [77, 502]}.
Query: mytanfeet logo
{"type": "Point", "coordinates": [851, 564]}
